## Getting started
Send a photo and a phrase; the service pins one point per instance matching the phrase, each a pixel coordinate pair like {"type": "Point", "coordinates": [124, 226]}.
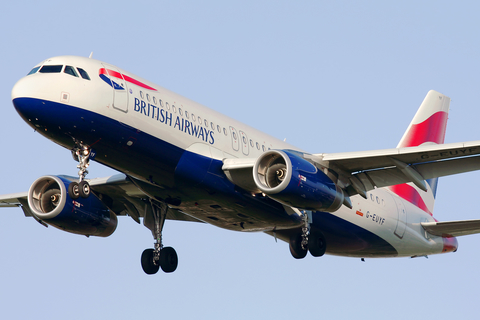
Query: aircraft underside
{"type": "Point", "coordinates": [187, 182]}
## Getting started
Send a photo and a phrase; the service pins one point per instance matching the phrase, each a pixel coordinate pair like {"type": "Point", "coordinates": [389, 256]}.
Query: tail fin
{"type": "Point", "coordinates": [429, 123]}
{"type": "Point", "coordinates": [427, 127]}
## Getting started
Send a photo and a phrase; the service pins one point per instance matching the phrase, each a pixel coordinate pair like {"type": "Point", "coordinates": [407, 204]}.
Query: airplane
{"type": "Point", "coordinates": [179, 160]}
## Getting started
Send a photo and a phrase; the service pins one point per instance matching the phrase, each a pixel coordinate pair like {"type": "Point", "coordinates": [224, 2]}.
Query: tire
{"type": "Point", "coordinates": [168, 259]}
{"type": "Point", "coordinates": [74, 190]}
{"type": "Point", "coordinates": [317, 244]}
{"type": "Point", "coordinates": [84, 189]}
{"type": "Point", "coordinates": [296, 246]}
{"type": "Point", "coordinates": [147, 262]}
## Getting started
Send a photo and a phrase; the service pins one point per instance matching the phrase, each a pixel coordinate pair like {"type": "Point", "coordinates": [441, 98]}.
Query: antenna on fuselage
{"type": "Point", "coordinates": [90, 56]}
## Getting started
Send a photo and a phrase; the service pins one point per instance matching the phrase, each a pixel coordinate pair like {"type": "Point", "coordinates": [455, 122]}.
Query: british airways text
{"type": "Point", "coordinates": [171, 120]}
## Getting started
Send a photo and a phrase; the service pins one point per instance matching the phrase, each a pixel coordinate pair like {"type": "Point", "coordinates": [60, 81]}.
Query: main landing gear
{"type": "Point", "coordinates": [310, 240]}
{"type": "Point", "coordinates": [160, 256]}
{"type": "Point", "coordinates": [81, 188]}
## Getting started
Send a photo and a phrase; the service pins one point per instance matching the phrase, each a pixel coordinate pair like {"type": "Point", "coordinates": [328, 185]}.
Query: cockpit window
{"type": "Point", "coordinates": [71, 71]}
{"type": "Point", "coordinates": [83, 73]}
{"type": "Point", "coordinates": [34, 70]}
{"type": "Point", "coordinates": [51, 69]}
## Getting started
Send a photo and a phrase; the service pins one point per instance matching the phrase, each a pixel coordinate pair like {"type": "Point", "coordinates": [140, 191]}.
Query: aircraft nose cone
{"type": "Point", "coordinates": [28, 96]}
{"type": "Point", "coordinates": [22, 92]}
{"type": "Point", "coordinates": [24, 88]}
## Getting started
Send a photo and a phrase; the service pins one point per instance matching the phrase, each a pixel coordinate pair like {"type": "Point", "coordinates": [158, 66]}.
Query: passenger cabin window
{"type": "Point", "coordinates": [83, 74]}
{"type": "Point", "coordinates": [71, 71]}
{"type": "Point", "coordinates": [34, 70]}
{"type": "Point", "coordinates": [51, 69]}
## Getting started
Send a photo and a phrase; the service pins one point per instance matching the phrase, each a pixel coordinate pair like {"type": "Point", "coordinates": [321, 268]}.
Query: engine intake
{"type": "Point", "coordinates": [49, 201]}
{"type": "Point", "coordinates": [288, 178]}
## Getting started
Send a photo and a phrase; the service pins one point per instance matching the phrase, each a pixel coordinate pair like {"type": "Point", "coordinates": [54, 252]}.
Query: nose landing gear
{"type": "Point", "coordinates": [81, 188]}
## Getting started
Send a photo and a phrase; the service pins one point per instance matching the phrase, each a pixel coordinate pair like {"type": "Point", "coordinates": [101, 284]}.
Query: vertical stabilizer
{"type": "Point", "coordinates": [429, 123]}
{"type": "Point", "coordinates": [427, 127]}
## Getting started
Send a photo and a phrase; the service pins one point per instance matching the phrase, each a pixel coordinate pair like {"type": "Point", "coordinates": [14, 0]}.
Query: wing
{"type": "Point", "coordinates": [382, 168]}
{"type": "Point", "coordinates": [119, 192]}
{"type": "Point", "coordinates": [12, 200]}
{"type": "Point", "coordinates": [359, 172]}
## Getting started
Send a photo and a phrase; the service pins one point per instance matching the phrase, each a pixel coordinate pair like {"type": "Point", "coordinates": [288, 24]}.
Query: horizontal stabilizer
{"type": "Point", "coordinates": [452, 228]}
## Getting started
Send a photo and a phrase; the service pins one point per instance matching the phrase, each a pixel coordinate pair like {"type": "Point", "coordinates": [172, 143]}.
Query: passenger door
{"type": "Point", "coordinates": [119, 87]}
{"type": "Point", "coordinates": [402, 218]}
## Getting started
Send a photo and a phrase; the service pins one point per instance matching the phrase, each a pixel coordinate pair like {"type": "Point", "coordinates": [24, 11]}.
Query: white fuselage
{"type": "Point", "coordinates": [192, 127]}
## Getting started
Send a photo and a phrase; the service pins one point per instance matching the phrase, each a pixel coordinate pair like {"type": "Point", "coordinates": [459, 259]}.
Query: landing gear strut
{"type": "Point", "coordinates": [160, 256]}
{"type": "Point", "coordinates": [310, 240]}
{"type": "Point", "coordinates": [81, 188]}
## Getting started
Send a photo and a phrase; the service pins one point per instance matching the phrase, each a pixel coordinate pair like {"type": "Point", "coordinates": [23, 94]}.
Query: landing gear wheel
{"type": "Point", "coordinates": [168, 259]}
{"type": "Point", "coordinates": [84, 189]}
{"type": "Point", "coordinates": [73, 190]}
{"type": "Point", "coordinates": [296, 246]}
{"type": "Point", "coordinates": [147, 262]}
{"type": "Point", "coordinates": [317, 244]}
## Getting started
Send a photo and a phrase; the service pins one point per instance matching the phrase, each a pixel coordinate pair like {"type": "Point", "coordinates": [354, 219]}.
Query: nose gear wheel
{"type": "Point", "coordinates": [81, 153]}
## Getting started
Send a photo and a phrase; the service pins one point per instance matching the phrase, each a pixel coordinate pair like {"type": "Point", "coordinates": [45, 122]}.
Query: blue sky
{"type": "Point", "coordinates": [328, 76]}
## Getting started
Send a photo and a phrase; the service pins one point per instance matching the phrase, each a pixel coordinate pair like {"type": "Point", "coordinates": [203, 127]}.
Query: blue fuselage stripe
{"type": "Point", "coordinates": [191, 178]}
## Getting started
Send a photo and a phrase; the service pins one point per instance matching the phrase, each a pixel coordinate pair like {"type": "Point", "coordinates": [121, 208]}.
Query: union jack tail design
{"type": "Point", "coordinates": [427, 127]}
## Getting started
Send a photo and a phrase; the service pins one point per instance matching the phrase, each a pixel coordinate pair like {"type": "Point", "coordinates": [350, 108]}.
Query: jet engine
{"type": "Point", "coordinates": [288, 178]}
{"type": "Point", "coordinates": [49, 202]}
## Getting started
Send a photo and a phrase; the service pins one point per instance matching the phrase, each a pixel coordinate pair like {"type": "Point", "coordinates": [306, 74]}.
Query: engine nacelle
{"type": "Point", "coordinates": [290, 179]}
{"type": "Point", "coordinates": [49, 201]}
